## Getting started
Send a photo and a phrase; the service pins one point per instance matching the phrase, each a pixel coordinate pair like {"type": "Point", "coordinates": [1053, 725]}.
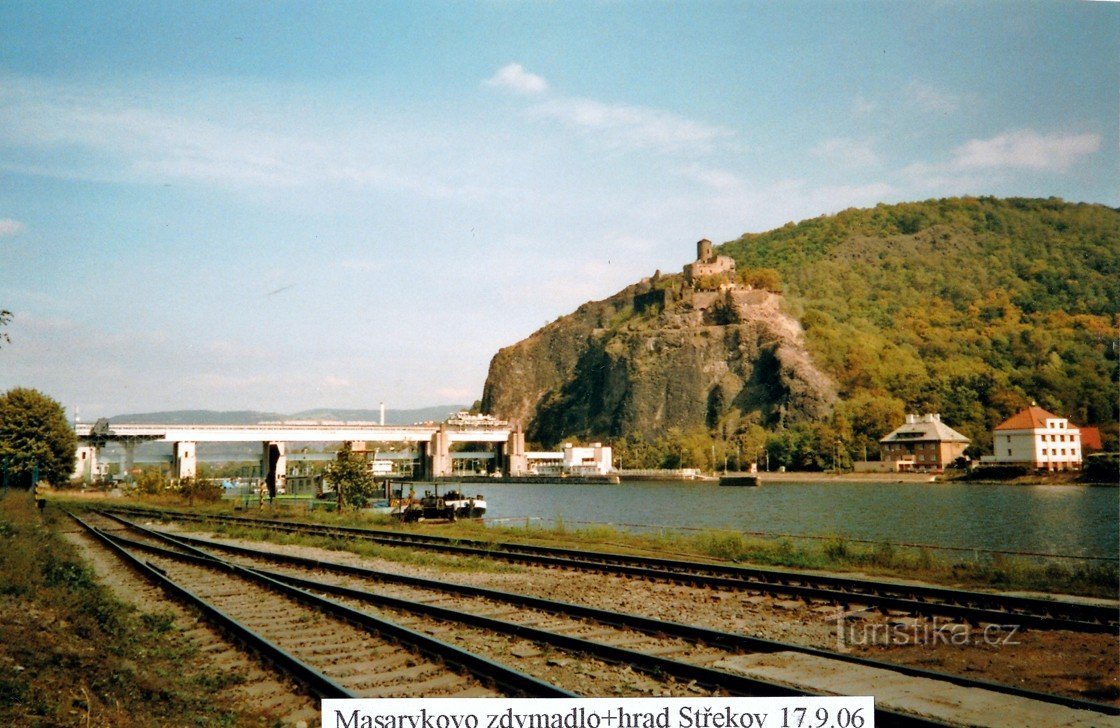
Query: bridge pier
{"type": "Point", "coordinates": [423, 462]}
{"type": "Point", "coordinates": [85, 466]}
{"type": "Point", "coordinates": [184, 460]}
{"type": "Point", "coordinates": [440, 454]}
{"type": "Point", "coordinates": [274, 466]}
{"type": "Point", "coordinates": [129, 459]}
{"type": "Point", "coordinates": [512, 453]}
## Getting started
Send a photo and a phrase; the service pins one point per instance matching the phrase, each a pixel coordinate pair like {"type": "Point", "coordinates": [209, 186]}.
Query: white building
{"type": "Point", "coordinates": [1037, 439]}
{"type": "Point", "coordinates": [381, 468]}
{"type": "Point", "coordinates": [595, 459]}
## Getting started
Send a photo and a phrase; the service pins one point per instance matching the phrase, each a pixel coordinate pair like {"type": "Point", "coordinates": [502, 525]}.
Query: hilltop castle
{"type": "Point", "coordinates": [707, 263]}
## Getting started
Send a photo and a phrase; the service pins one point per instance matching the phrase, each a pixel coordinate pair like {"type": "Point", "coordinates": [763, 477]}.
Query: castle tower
{"type": "Point", "coordinates": [704, 251]}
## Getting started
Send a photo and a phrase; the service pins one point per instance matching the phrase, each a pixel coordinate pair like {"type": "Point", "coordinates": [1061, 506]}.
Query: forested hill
{"type": "Point", "coordinates": [971, 307]}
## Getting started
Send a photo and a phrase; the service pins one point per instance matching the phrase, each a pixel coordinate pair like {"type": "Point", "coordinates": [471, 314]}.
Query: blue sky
{"type": "Point", "coordinates": [286, 205]}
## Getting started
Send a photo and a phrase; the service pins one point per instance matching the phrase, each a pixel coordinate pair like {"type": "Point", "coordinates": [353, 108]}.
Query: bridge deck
{"type": "Point", "coordinates": [292, 433]}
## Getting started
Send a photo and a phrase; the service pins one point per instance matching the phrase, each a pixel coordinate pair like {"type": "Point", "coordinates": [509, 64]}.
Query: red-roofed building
{"type": "Point", "coordinates": [1091, 440]}
{"type": "Point", "coordinates": [1037, 439]}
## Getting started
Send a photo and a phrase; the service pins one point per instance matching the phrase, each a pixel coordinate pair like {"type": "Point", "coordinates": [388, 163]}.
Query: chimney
{"type": "Point", "coordinates": [382, 413]}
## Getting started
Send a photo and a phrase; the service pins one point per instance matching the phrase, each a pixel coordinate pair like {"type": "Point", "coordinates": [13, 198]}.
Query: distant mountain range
{"type": "Point", "coordinates": [252, 417]}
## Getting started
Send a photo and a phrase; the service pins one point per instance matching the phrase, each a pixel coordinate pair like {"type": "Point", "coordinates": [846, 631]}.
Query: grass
{"type": "Point", "coordinates": [1084, 578]}
{"type": "Point", "coordinates": [72, 654]}
{"type": "Point", "coordinates": [368, 549]}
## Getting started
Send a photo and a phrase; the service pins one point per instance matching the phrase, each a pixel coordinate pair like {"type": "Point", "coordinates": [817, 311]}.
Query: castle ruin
{"type": "Point", "coordinates": [707, 263]}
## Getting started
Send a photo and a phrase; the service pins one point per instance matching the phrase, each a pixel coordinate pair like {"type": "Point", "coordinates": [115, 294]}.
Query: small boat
{"type": "Point", "coordinates": [463, 505]}
{"type": "Point", "coordinates": [748, 481]}
{"type": "Point", "coordinates": [452, 505]}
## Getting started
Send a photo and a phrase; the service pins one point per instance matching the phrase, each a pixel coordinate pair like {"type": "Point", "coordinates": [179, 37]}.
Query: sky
{"type": "Point", "coordinates": [288, 205]}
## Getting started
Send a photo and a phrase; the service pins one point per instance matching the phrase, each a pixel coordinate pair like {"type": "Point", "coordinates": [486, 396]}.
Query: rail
{"type": "Point", "coordinates": [729, 640]}
{"type": "Point", "coordinates": [969, 606]}
{"type": "Point", "coordinates": [733, 683]}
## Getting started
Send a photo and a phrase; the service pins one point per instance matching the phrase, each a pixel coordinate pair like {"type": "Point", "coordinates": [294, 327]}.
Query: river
{"type": "Point", "coordinates": [1071, 520]}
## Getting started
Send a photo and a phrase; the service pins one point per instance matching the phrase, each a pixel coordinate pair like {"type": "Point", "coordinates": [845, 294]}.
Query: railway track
{"type": "Point", "coordinates": [669, 673]}
{"type": "Point", "coordinates": [653, 646]}
{"type": "Point", "coordinates": [333, 650]}
{"type": "Point", "coordinates": [957, 604]}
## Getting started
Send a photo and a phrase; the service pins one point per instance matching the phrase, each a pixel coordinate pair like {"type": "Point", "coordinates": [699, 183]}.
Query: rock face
{"type": "Point", "coordinates": [654, 356]}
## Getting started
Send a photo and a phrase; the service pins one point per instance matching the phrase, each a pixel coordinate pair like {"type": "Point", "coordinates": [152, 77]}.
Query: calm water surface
{"type": "Point", "coordinates": [1055, 519]}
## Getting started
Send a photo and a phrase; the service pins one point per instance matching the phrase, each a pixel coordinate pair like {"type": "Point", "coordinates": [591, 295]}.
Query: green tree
{"type": "Point", "coordinates": [201, 489]}
{"type": "Point", "coordinates": [151, 481]}
{"type": "Point", "coordinates": [352, 479]}
{"type": "Point", "coordinates": [34, 434]}
{"type": "Point", "coordinates": [767, 279]}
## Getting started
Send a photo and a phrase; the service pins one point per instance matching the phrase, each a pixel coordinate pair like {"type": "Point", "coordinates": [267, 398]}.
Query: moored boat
{"type": "Point", "coordinates": [749, 481]}
{"type": "Point", "coordinates": [452, 505]}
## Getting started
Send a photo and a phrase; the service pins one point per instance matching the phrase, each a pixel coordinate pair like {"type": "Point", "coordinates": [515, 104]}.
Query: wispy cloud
{"type": "Point", "coordinates": [1026, 149]}
{"type": "Point", "coordinates": [610, 124]}
{"type": "Point", "coordinates": [932, 99]}
{"type": "Point", "coordinates": [235, 138]}
{"type": "Point", "coordinates": [9, 227]}
{"type": "Point", "coordinates": [848, 152]}
{"type": "Point", "coordinates": [718, 179]}
{"type": "Point", "coordinates": [620, 125]}
{"type": "Point", "coordinates": [977, 163]}
{"type": "Point", "coordinates": [513, 77]}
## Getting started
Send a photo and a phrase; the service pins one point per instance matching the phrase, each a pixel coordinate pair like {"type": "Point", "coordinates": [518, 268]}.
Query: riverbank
{"type": "Point", "coordinates": [1072, 479]}
{"type": "Point", "coordinates": [805, 477]}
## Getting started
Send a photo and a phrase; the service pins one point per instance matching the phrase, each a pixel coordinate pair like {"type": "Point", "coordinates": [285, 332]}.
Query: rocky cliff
{"type": "Point", "coordinates": [654, 356]}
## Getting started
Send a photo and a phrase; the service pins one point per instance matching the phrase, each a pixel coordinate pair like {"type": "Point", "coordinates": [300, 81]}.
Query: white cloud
{"type": "Point", "coordinates": [620, 125]}
{"type": "Point", "coordinates": [513, 77]}
{"type": "Point", "coordinates": [615, 125]}
{"type": "Point", "coordinates": [944, 178]}
{"type": "Point", "coordinates": [979, 163]}
{"type": "Point", "coordinates": [1026, 149]}
{"type": "Point", "coordinates": [721, 180]}
{"type": "Point", "coordinates": [930, 99]}
{"type": "Point", "coordinates": [237, 138]}
{"type": "Point", "coordinates": [848, 152]}
{"type": "Point", "coordinates": [10, 227]}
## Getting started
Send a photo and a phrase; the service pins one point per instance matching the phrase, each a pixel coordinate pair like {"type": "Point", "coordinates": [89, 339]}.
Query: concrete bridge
{"type": "Point", "coordinates": [432, 442]}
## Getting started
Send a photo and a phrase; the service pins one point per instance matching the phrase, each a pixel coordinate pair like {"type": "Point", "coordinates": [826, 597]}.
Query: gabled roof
{"type": "Point", "coordinates": [1033, 417]}
{"type": "Point", "coordinates": [1091, 438]}
{"type": "Point", "coordinates": [928, 428]}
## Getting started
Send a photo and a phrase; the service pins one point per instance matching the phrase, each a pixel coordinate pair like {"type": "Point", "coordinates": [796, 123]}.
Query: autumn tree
{"type": "Point", "coordinates": [35, 437]}
{"type": "Point", "coordinates": [352, 479]}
